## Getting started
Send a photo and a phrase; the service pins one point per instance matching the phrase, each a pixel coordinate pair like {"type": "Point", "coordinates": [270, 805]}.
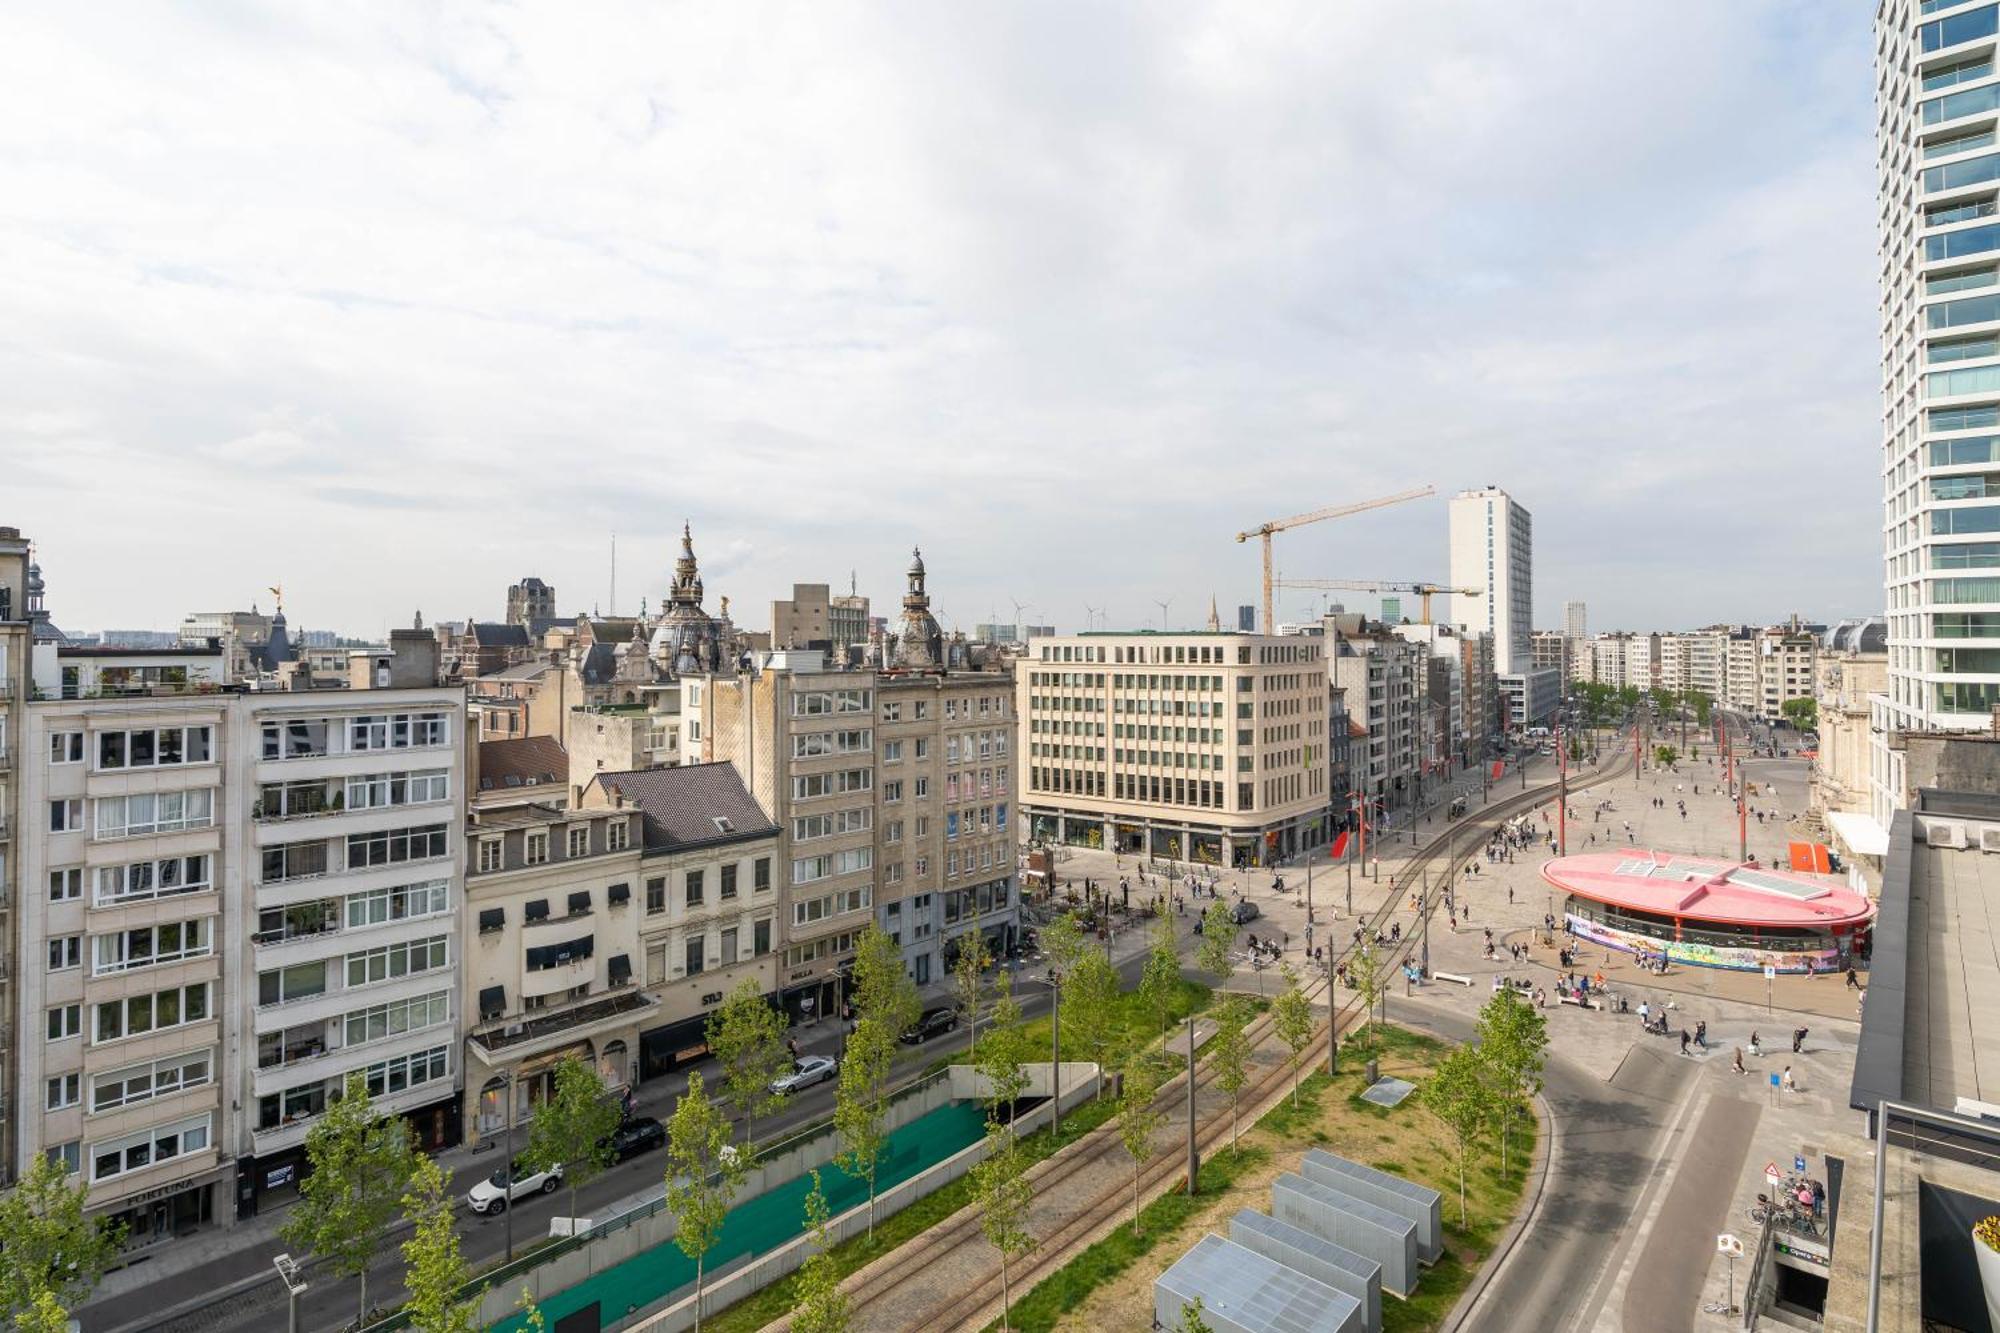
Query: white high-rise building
{"type": "Point", "coordinates": [1937, 107]}
{"type": "Point", "coordinates": [1576, 623]}
{"type": "Point", "coordinates": [1492, 548]}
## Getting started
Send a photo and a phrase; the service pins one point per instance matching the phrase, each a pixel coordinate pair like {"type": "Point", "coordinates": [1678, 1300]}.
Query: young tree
{"type": "Point", "coordinates": [968, 978]}
{"type": "Point", "coordinates": [1514, 1043]}
{"type": "Point", "coordinates": [1664, 756]}
{"type": "Point", "coordinates": [1090, 1001]}
{"type": "Point", "coordinates": [1218, 937]}
{"type": "Point", "coordinates": [1191, 1320]}
{"type": "Point", "coordinates": [361, 1165]}
{"type": "Point", "coordinates": [1160, 981]}
{"type": "Point", "coordinates": [1230, 1053]}
{"type": "Point", "coordinates": [882, 988]}
{"type": "Point", "coordinates": [53, 1253]}
{"type": "Point", "coordinates": [747, 1036]}
{"type": "Point", "coordinates": [1064, 944]}
{"type": "Point", "coordinates": [822, 1305]}
{"type": "Point", "coordinates": [1000, 1184]}
{"type": "Point", "coordinates": [1006, 1050]}
{"type": "Point", "coordinates": [434, 1270]}
{"type": "Point", "coordinates": [861, 1101]}
{"type": "Point", "coordinates": [1368, 973]}
{"type": "Point", "coordinates": [1802, 713]}
{"type": "Point", "coordinates": [573, 1128]}
{"type": "Point", "coordinates": [1458, 1095]}
{"type": "Point", "coordinates": [1137, 1121]}
{"type": "Point", "coordinates": [703, 1174]}
{"type": "Point", "coordinates": [1291, 1017]}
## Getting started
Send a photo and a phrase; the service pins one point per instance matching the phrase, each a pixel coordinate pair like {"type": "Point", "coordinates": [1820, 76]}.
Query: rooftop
{"type": "Point", "coordinates": [1735, 892]}
{"type": "Point", "coordinates": [691, 805]}
{"type": "Point", "coordinates": [522, 762]}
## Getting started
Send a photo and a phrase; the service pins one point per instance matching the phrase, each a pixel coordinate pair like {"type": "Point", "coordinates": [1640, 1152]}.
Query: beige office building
{"type": "Point", "coordinates": [1185, 745]}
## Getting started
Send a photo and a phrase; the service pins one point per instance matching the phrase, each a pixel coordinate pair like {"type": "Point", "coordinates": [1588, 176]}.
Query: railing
{"type": "Point", "coordinates": [285, 935]}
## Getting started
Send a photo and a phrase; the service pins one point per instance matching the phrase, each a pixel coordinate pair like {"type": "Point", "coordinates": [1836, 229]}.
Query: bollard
{"type": "Point", "coordinates": [1368, 1075]}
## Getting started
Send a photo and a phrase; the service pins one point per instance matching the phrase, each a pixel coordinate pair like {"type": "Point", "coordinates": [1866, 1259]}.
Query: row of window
{"type": "Point", "coordinates": [300, 738]}
{"type": "Point", "coordinates": [694, 887]}
{"type": "Point", "coordinates": [807, 911]}
{"type": "Point", "coordinates": [145, 813]}
{"type": "Point", "coordinates": [308, 860]}
{"type": "Point", "coordinates": [815, 744]}
{"type": "Point", "coordinates": [535, 845]}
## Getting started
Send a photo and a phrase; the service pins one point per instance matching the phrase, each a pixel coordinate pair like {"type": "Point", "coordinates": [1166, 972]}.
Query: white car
{"type": "Point", "coordinates": [809, 1070]}
{"type": "Point", "coordinates": [491, 1196]}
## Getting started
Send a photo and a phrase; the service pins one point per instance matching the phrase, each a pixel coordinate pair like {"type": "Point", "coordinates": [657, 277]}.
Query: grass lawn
{"type": "Point", "coordinates": [1132, 1026]}
{"type": "Point", "coordinates": [1109, 1285]}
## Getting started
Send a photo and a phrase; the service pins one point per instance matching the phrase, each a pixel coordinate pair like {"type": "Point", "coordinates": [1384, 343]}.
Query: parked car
{"type": "Point", "coordinates": [635, 1136]}
{"type": "Point", "coordinates": [809, 1070]}
{"type": "Point", "coordinates": [930, 1025]}
{"type": "Point", "coordinates": [1245, 912]}
{"type": "Point", "coordinates": [491, 1196]}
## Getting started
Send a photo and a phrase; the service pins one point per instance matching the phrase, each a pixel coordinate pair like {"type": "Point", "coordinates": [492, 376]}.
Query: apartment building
{"type": "Point", "coordinates": [547, 967]}
{"type": "Point", "coordinates": [1553, 651]}
{"type": "Point", "coordinates": [346, 837]}
{"type": "Point", "coordinates": [1198, 746]}
{"type": "Point", "coordinates": [1492, 548]}
{"type": "Point", "coordinates": [129, 948]}
{"type": "Point", "coordinates": [1380, 676]}
{"type": "Point", "coordinates": [945, 847]}
{"type": "Point", "coordinates": [709, 915]}
{"type": "Point", "coordinates": [815, 617]}
{"type": "Point", "coordinates": [20, 604]}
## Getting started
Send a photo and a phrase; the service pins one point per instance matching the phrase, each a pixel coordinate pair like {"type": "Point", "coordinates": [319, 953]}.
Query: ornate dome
{"type": "Point", "coordinates": [920, 645]}
{"type": "Point", "coordinates": [686, 639]}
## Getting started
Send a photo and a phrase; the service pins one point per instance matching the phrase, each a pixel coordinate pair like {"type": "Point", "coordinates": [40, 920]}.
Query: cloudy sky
{"type": "Point", "coordinates": [395, 304]}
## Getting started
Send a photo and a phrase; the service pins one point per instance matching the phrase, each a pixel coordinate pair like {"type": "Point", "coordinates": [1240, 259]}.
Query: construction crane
{"type": "Point", "coordinates": [1423, 590]}
{"type": "Point", "coordinates": [1264, 531]}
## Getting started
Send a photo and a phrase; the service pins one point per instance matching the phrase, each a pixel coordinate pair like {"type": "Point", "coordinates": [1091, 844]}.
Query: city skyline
{"type": "Point", "coordinates": [567, 284]}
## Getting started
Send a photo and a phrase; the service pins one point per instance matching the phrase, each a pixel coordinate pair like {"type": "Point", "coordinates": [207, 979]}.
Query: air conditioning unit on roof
{"type": "Point", "coordinates": [1989, 839]}
{"type": "Point", "coordinates": [1939, 834]}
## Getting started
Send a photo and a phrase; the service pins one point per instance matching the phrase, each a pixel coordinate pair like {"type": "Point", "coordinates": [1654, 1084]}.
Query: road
{"type": "Point", "coordinates": [332, 1302]}
{"type": "Point", "coordinates": [1606, 1135]}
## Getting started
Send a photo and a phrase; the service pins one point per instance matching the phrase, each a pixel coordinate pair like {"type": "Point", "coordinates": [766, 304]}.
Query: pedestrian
{"type": "Point", "coordinates": [1798, 1040]}
{"type": "Point", "coordinates": [1789, 1085]}
{"type": "Point", "coordinates": [1510, 903]}
{"type": "Point", "coordinates": [1684, 1041]}
{"type": "Point", "coordinates": [1738, 1066]}
{"type": "Point", "coordinates": [1701, 1034]}
{"type": "Point", "coordinates": [1853, 982]}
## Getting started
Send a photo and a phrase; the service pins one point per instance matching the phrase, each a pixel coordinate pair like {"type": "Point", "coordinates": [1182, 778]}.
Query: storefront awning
{"type": "Point", "coordinates": [1862, 835]}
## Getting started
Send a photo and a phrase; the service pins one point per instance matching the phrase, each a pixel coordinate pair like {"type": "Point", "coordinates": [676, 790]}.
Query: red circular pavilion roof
{"type": "Point", "coordinates": [1708, 889]}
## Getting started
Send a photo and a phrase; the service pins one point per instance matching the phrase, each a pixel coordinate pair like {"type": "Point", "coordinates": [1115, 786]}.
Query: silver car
{"type": "Point", "coordinates": [809, 1070]}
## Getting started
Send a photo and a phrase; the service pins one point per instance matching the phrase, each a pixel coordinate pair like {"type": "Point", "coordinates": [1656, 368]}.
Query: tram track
{"type": "Point", "coordinates": [890, 1276]}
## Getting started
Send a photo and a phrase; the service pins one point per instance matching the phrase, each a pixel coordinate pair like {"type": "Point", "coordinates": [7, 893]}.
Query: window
{"type": "Point", "coordinates": [808, 910]}
{"type": "Point", "coordinates": [490, 850]}
{"type": "Point", "coordinates": [64, 1021]}
{"type": "Point", "coordinates": [64, 1090]}
{"type": "Point", "coordinates": [809, 869]}
{"type": "Point", "coordinates": [153, 747]}
{"type": "Point", "coordinates": [761, 874]}
{"type": "Point", "coordinates": [923, 789]}
{"type": "Point", "coordinates": [537, 847]}
{"type": "Point", "coordinates": [394, 846]}
{"type": "Point", "coordinates": [157, 1078]}
{"type": "Point", "coordinates": [66, 816]}
{"type": "Point", "coordinates": [66, 747]}
{"type": "Point", "coordinates": [727, 892]}
{"type": "Point", "coordinates": [921, 709]}
{"type": "Point", "coordinates": [382, 1021]}
{"type": "Point", "coordinates": [695, 890]}
{"type": "Point", "coordinates": [296, 738]}
{"type": "Point", "coordinates": [812, 785]}
{"type": "Point", "coordinates": [136, 1152]}
{"type": "Point", "coordinates": [297, 982]}
{"type": "Point", "coordinates": [695, 954]}
{"type": "Point", "coordinates": [617, 836]}
{"type": "Point", "coordinates": [138, 1014]}
{"type": "Point", "coordinates": [154, 812]}
{"type": "Point", "coordinates": [805, 828]}
{"type": "Point", "coordinates": [294, 860]}
{"type": "Point", "coordinates": [813, 744]}
{"type": "Point", "coordinates": [729, 946]}
{"type": "Point", "coordinates": [892, 752]}
{"type": "Point", "coordinates": [579, 841]}
{"type": "Point", "coordinates": [656, 895]}
{"type": "Point", "coordinates": [396, 731]}
{"type": "Point", "coordinates": [383, 789]}
{"type": "Point", "coordinates": [892, 792]}
{"type": "Point", "coordinates": [401, 959]}
{"type": "Point", "coordinates": [760, 936]}
{"type": "Point", "coordinates": [66, 885]}
{"type": "Point", "coordinates": [150, 946]}
{"type": "Point", "coordinates": [401, 903]}
{"type": "Point", "coordinates": [68, 1156]}
{"type": "Point", "coordinates": [923, 747]}
{"type": "Point", "coordinates": [407, 1071]}
{"type": "Point", "coordinates": [1965, 27]}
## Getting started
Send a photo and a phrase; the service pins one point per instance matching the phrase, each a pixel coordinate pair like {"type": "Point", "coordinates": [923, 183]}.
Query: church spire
{"type": "Point", "coordinates": [1214, 617]}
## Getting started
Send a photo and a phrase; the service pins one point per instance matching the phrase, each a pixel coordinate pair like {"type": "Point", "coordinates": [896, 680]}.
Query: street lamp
{"type": "Point", "coordinates": [1055, 1047]}
{"type": "Point", "coordinates": [507, 1167]}
{"type": "Point", "coordinates": [292, 1274]}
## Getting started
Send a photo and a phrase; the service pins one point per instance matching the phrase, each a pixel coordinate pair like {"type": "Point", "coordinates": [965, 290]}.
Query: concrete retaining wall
{"type": "Point", "coordinates": [1419, 1203]}
{"type": "Point", "coordinates": [1351, 1223]}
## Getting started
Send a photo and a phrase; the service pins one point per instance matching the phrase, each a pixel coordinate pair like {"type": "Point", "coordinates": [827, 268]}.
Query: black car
{"type": "Point", "coordinates": [1244, 912]}
{"type": "Point", "coordinates": [930, 1025]}
{"type": "Point", "coordinates": [641, 1134]}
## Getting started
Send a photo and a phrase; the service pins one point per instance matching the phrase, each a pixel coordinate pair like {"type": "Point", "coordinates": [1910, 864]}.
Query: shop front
{"type": "Point", "coordinates": [167, 1213]}
{"type": "Point", "coordinates": [273, 1177]}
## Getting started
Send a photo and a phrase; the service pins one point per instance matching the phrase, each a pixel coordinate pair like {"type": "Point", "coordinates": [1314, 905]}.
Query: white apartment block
{"type": "Point", "coordinates": [1492, 548]}
{"type": "Point", "coordinates": [1576, 620]}
{"type": "Point", "coordinates": [1937, 110]}
{"type": "Point", "coordinates": [1208, 747]}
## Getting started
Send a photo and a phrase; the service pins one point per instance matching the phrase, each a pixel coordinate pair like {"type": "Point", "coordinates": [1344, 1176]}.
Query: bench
{"type": "Point", "coordinates": [1454, 977]}
{"type": "Point", "coordinates": [1576, 1000]}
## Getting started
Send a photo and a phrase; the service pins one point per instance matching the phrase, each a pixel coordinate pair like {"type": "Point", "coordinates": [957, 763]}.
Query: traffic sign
{"type": "Point", "coordinates": [1799, 1165]}
{"type": "Point", "coordinates": [1770, 973]}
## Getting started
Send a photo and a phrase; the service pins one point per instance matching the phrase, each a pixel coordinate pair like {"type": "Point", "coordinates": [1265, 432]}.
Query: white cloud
{"type": "Point", "coordinates": [398, 304]}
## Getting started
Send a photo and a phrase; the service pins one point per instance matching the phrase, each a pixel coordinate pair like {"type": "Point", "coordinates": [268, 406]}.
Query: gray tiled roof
{"type": "Point", "coordinates": [528, 760]}
{"type": "Point", "coordinates": [682, 804]}
{"type": "Point", "coordinates": [493, 634]}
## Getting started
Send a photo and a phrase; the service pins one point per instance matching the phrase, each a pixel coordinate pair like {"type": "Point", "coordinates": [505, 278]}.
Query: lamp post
{"type": "Point", "coordinates": [507, 1167]}
{"type": "Point", "coordinates": [291, 1274]}
{"type": "Point", "coordinates": [1194, 1160]}
{"type": "Point", "coordinates": [1055, 1048]}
